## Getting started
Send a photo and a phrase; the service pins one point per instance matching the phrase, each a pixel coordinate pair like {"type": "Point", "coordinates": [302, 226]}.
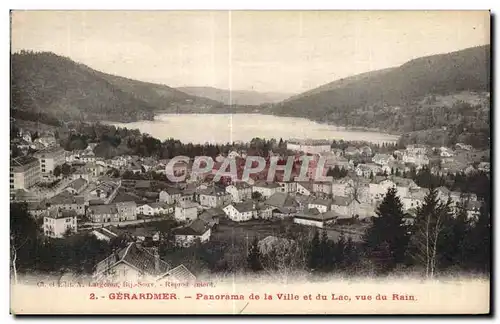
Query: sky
{"type": "Point", "coordinates": [266, 51]}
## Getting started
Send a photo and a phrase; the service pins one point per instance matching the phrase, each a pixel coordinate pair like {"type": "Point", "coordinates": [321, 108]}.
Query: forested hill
{"type": "Point", "coordinates": [48, 84]}
{"type": "Point", "coordinates": [403, 99]}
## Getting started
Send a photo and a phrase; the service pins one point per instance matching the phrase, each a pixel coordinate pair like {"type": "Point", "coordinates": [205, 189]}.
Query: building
{"type": "Point", "coordinates": [212, 216]}
{"type": "Point", "coordinates": [155, 209]}
{"type": "Point", "coordinates": [104, 234]}
{"type": "Point", "coordinates": [170, 195]}
{"type": "Point", "coordinates": [57, 223]}
{"type": "Point", "coordinates": [77, 186]}
{"type": "Point", "coordinates": [127, 210]}
{"type": "Point", "coordinates": [241, 212]}
{"type": "Point", "coordinates": [322, 187]}
{"type": "Point", "coordinates": [105, 191]}
{"type": "Point", "coordinates": [239, 191]}
{"type": "Point", "coordinates": [197, 230]}
{"type": "Point", "coordinates": [312, 217]}
{"type": "Point", "coordinates": [50, 158]}
{"type": "Point", "coordinates": [382, 159]}
{"type": "Point", "coordinates": [282, 204]}
{"type": "Point", "coordinates": [308, 146]}
{"type": "Point", "coordinates": [266, 189]}
{"type": "Point", "coordinates": [367, 170]}
{"type": "Point", "coordinates": [24, 172]}
{"type": "Point", "coordinates": [304, 188]}
{"type": "Point", "coordinates": [213, 197]}
{"type": "Point", "coordinates": [103, 213]}
{"type": "Point", "coordinates": [322, 205]}
{"type": "Point", "coordinates": [288, 186]}
{"type": "Point", "coordinates": [135, 263]}
{"type": "Point", "coordinates": [66, 201]}
{"type": "Point", "coordinates": [186, 211]}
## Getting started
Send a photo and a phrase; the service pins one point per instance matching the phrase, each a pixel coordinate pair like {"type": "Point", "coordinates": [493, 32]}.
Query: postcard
{"type": "Point", "coordinates": [250, 162]}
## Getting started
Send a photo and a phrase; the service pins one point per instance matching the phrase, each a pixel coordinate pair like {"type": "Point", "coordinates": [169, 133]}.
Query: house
{"type": "Point", "coordinates": [57, 222]}
{"type": "Point", "coordinates": [445, 152]}
{"type": "Point", "coordinates": [484, 166]}
{"type": "Point", "coordinates": [378, 189]}
{"type": "Point", "coordinates": [212, 216]}
{"type": "Point", "coordinates": [132, 263]}
{"type": "Point", "coordinates": [304, 188]}
{"type": "Point", "coordinates": [342, 187]}
{"type": "Point", "coordinates": [313, 217]}
{"type": "Point", "coordinates": [142, 234]}
{"type": "Point", "coordinates": [170, 195]}
{"type": "Point", "coordinates": [368, 170]}
{"type": "Point", "coordinates": [351, 151]}
{"type": "Point", "coordinates": [103, 213]}
{"type": "Point", "coordinates": [77, 186]}
{"type": "Point", "coordinates": [127, 210]}
{"type": "Point", "coordinates": [240, 212]}
{"type": "Point", "coordinates": [194, 231]}
{"type": "Point", "coordinates": [186, 211]}
{"type": "Point", "coordinates": [414, 199]}
{"type": "Point", "coordinates": [155, 209]}
{"type": "Point", "coordinates": [50, 158]}
{"type": "Point", "coordinates": [266, 189]}
{"type": "Point", "coordinates": [24, 172]}
{"type": "Point", "coordinates": [37, 208]}
{"type": "Point", "coordinates": [105, 190]}
{"type": "Point", "coordinates": [417, 149]}
{"type": "Point", "coordinates": [342, 205]}
{"type": "Point", "coordinates": [233, 155]}
{"type": "Point", "coordinates": [308, 146]}
{"type": "Point", "coordinates": [66, 201]}
{"type": "Point", "coordinates": [287, 186]}
{"type": "Point", "coordinates": [282, 204]}
{"type": "Point", "coordinates": [322, 205]}
{"type": "Point", "coordinates": [213, 197]}
{"type": "Point", "coordinates": [473, 209]}
{"type": "Point", "coordinates": [418, 159]}
{"type": "Point", "coordinates": [382, 159]}
{"type": "Point", "coordinates": [463, 146]}
{"type": "Point", "coordinates": [239, 191]}
{"type": "Point", "coordinates": [265, 211]}
{"type": "Point", "coordinates": [322, 187]}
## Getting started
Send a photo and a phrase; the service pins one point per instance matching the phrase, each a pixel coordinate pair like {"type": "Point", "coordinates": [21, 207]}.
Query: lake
{"type": "Point", "coordinates": [223, 128]}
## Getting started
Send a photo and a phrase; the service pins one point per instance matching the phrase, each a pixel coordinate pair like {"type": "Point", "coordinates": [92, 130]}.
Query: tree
{"type": "Point", "coordinates": [325, 252]}
{"type": "Point", "coordinates": [480, 240]}
{"type": "Point", "coordinates": [23, 236]}
{"type": "Point", "coordinates": [314, 255]}
{"type": "Point", "coordinates": [66, 169]}
{"type": "Point", "coordinates": [388, 228]}
{"type": "Point", "coordinates": [430, 221]}
{"type": "Point", "coordinates": [57, 171]}
{"type": "Point", "coordinates": [256, 195]}
{"type": "Point", "coordinates": [254, 256]}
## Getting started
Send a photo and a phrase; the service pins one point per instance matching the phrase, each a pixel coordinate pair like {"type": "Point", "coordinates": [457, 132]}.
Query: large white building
{"type": "Point", "coordinates": [50, 158]}
{"type": "Point", "coordinates": [57, 222]}
{"type": "Point", "coordinates": [186, 211]}
{"type": "Point", "coordinates": [24, 172]}
{"type": "Point", "coordinates": [308, 146]}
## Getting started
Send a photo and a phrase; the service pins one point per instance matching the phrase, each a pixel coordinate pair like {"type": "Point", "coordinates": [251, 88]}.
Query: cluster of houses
{"type": "Point", "coordinates": [88, 197]}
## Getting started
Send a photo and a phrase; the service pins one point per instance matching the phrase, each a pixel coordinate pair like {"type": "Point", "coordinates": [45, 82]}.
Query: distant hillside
{"type": "Point", "coordinates": [342, 100]}
{"type": "Point", "coordinates": [236, 97]}
{"type": "Point", "coordinates": [55, 86]}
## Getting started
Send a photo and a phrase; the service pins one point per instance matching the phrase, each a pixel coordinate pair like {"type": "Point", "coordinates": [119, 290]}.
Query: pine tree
{"type": "Point", "coordinates": [314, 256]}
{"type": "Point", "coordinates": [325, 252]}
{"type": "Point", "coordinates": [254, 256]}
{"type": "Point", "coordinates": [388, 231]}
{"type": "Point", "coordinates": [430, 228]}
{"type": "Point", "coordinates": [480, 240]}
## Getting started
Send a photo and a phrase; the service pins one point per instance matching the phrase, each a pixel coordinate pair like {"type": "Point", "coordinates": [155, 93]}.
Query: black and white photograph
{"type": "Point", "coordinates": [250, 162]}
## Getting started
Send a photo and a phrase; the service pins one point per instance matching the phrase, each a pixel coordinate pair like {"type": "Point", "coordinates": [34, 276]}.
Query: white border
{"type": "Point", "coordinates": [189, 5]}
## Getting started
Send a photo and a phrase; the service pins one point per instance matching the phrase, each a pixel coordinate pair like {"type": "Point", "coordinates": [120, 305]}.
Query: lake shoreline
{"type": "Point", "coordinates": [224, 128]}
{"type": "Point", "coordinates": [353, 128]}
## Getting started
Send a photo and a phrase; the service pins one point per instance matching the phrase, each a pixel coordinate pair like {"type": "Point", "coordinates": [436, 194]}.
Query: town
{"type": "Point", "coordinates": [131, 197]}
